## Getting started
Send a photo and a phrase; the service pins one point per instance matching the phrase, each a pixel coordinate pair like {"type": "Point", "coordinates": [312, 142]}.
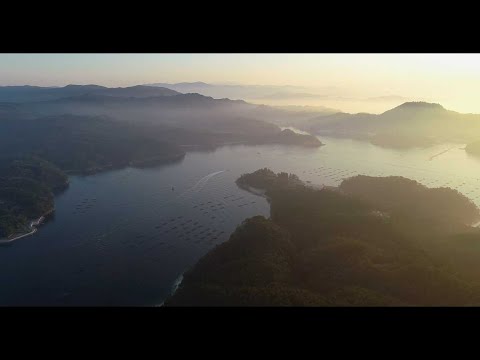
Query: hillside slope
{"type": "Point", "coordinates": [349, 246]}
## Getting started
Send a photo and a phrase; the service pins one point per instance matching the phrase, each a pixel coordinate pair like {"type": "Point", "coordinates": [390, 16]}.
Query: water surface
{"type": "Point", "coordinates": [124, 237]}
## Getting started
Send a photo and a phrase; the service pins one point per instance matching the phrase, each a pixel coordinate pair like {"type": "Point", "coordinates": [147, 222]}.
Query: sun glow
{"type": "Point", "coordinates": [351, 82]}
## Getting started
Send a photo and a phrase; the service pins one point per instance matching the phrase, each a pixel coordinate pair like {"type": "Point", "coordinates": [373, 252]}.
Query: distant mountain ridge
{"type": "Point", "coordinates": [146, 104]}
{"type": "Point", "coordinates": [236, 91]}
{"type": "Point", "coordinates": [214, 121]}
{"type": "Point", "coordinates": [35, 93]}
{"type": "Point", "coordinates": [409, 124]}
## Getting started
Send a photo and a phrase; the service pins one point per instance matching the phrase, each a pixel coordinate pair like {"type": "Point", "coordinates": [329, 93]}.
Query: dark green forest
{"type": "Point", "coordinates": [84, 144]}
{"type": "Point", "coordinates": [27, 191]}
{"type": "Point", "coordinates": [38, 154]}
{"type": "Point", "coordinates": [370, 242]}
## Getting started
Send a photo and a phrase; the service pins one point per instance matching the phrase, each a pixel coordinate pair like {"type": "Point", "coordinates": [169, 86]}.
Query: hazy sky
{"type": "Point", "coordinates": [450, 79]}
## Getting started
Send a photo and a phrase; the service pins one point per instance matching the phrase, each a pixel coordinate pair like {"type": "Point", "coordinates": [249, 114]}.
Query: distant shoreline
{"type": "Point", "coordinates": [146, 163]}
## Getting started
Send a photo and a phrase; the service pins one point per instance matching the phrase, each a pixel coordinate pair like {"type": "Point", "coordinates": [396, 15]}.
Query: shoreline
{"type": "Point", "coordinates": [151, 162]}
{"type": "Point", "coordinates": [33, 226]}
{"type": "Point", "coordinates": [176, 284]}
{"type": "Point", "coordinates": [146, 163]}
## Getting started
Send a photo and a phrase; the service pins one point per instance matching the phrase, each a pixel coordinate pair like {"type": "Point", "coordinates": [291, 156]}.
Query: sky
{"type": "Point", "coordinates": [354, 82]}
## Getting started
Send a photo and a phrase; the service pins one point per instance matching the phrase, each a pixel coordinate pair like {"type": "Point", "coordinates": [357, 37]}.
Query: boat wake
{"type": "Point", "coordinates": [199, 185]}
{"type": "Point", "coordinates": [440, 153]}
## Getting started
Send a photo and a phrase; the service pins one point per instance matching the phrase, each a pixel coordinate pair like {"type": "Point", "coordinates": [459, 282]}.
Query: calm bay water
{"type": "Point", "coordinates": [124, 237]}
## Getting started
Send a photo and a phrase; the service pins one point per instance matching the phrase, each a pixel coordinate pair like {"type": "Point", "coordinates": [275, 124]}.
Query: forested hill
{"type": "Point", "coordinates": [85, 144]}
{"type": "Point", "coordinates": [347, 246]}
{"type": "Point", "coordinates": [412, 124]}
{"type": "Point", "coordinates": [222, 120]}
{"type": "Point", "coordinates": [27, 191]}
{"type": "Point", "coordinates": [38, 154]}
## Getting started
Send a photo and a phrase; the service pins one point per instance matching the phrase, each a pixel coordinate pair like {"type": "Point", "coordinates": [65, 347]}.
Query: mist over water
{"type": "Point", "coordinates": [123, 237]}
